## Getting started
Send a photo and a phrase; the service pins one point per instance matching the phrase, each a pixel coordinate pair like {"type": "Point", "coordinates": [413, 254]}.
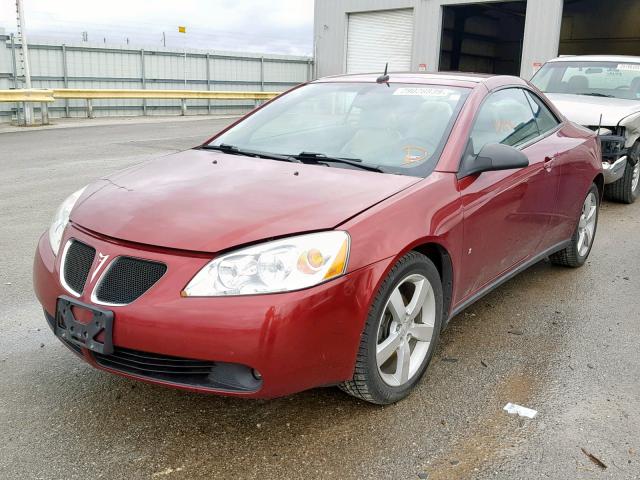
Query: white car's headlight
{"type": "Point", "coordinates": [61, 219]}
{"type": "Point", "coordinates": [283, 265]}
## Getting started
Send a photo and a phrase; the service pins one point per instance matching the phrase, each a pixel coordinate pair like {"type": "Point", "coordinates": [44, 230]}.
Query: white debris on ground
{"type": "Point", "coordinates": [512, 408]}
{"type": "Point", "coordinates": [167, 471]}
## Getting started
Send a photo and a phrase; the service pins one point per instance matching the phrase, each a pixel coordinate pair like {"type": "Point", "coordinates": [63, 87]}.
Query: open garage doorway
{"type": "Point", "coordinates": [592, 27]}
{"type": "Point", "coordinates": [483, 37]}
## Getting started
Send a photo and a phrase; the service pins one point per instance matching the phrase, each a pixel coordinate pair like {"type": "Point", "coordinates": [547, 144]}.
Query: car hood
{"type": "Point", "coordinates": [586, 110]}
{"type": "Point", "coordinates": [209, 201]}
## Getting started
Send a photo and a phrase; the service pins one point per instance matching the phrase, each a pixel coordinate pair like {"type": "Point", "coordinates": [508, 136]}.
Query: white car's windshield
{"type": "Point", "coordinates": [599, 79]}
{"type": "Point", "coordinates": [396, 128]}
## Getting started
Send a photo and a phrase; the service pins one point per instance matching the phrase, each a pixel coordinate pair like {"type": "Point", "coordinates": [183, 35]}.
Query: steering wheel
{"type": "Point", "coordinates": [413, 150]}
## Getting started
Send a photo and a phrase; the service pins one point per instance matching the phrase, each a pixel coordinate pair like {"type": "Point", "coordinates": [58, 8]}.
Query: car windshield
{"type": "Point", "coordinates": [599, 79]}
{"type": "Point", "coordinates": [397, 128]}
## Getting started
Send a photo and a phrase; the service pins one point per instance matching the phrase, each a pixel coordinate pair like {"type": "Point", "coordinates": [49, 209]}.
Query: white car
{"type": "Point", "coordinates": [602, 92]}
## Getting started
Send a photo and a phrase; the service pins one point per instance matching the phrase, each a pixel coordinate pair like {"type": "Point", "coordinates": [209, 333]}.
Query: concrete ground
{"type": "Point", "coordinates": [563, 342]}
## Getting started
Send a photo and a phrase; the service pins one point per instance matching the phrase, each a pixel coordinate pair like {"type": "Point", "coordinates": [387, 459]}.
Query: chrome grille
{"type": "Point", "coordinates": [77, 264]}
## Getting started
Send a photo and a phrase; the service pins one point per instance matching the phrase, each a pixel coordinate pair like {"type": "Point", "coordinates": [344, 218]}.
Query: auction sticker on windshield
{"type": "Point", "coordinates": [423, 92]}
{"type": "Point", "coordinates": [634, 67]}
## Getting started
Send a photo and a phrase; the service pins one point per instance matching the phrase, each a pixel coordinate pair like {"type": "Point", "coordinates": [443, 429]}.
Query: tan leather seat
{"type": "Point", "coordinates": [374, 133]}
{"type": "Point", "coordinates": [431, 121]}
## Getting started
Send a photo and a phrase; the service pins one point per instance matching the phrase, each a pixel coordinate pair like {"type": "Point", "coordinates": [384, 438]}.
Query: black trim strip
{"type": "Point", "coordinates": [149, 357]}
{"type": "Point", "coordinates": [149, 368]}
{"type": "Point", "coordinates": [508, 276]}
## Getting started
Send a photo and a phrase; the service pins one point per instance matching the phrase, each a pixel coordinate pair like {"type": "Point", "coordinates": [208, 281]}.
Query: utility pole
{"type": "Point", "coordinates": [24, 60]}
{"type": "Point", "coordinates": [182, 29]}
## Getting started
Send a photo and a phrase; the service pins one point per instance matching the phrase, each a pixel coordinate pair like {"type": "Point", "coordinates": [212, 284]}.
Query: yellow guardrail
{"type": "Point", "coordinates": [115, 93]}
{"type": "Point", "coordinates": [24, 95]}
{"type": "Point", "coordinates": [90, 94]}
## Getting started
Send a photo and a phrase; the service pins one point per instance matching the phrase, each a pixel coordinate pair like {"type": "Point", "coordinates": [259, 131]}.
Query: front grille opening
{"type": "Point", "coordinates": [181, 371]}
{"type": "Point", "coordinates": [77, 265]}
{"type": "Point", "coordinates": [127, 278]}
{"type": "Point", "coordinates": [612, 146]}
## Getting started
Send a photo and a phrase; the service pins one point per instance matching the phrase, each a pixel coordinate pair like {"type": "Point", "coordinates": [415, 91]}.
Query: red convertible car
{"type": "Point", "coordinates": [326, 238]}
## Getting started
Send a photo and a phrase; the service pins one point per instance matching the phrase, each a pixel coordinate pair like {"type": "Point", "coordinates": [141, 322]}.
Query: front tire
{"type": "Point", "coordinates": [577, 252]}
{"type": "Point", "coordinates": [401, 332]}
{"type": "Point", "coordinates": [627, 189]}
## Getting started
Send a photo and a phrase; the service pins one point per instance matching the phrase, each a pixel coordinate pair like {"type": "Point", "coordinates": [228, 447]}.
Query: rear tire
{"type": "Point", "coordinates": [627, 189]}
{"type": "Point", "coordinates": [401, 333]}
{"type": "Point", "coordinates": [577, 252]}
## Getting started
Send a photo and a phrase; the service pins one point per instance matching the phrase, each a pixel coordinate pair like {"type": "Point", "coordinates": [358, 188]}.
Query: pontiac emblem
{"type": "Point", "coordinates": [102, 259]}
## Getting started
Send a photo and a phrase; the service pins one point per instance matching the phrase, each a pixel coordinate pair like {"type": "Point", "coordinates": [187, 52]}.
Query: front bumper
{"type": "Point", "coordinates": [614, 171]}
{"type": "Point", "coordinates": [296, 340]}
{"type": "Point", "coordinates": [614, 157]}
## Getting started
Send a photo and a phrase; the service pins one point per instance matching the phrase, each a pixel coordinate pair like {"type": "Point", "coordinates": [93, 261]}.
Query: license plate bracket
{"type": "Point", "coordinates": [84, 333]}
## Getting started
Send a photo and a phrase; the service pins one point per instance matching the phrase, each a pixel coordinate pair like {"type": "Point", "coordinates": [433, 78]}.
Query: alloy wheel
{"type": "Point", "coordinates": [405, 330]}
{"type": "Point", "coordinates": [587, 224]}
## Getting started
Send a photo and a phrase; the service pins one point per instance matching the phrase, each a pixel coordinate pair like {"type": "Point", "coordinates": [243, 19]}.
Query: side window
{"type": "Point", "coordinates": [544, 117]}
{"type": "Point", "coordinates": [505, 117]}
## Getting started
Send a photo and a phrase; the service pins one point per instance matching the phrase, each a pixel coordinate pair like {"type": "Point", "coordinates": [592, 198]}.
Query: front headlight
{"type": "Point", "coordinates": [280, 266]}
{"type": "Point", "coordinates": [61, 219]}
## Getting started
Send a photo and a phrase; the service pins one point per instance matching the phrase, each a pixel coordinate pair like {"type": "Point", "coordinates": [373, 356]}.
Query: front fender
{"type": "Point", "coordinates": [631, 123]}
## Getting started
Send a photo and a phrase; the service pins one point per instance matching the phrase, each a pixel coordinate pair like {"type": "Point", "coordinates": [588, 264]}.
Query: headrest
{"type": "Point", "coordinates": [578, 84]}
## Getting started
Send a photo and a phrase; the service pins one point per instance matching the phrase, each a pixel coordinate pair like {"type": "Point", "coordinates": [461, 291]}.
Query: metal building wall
{"type": "Point", "coordinates": [6, 79]}
{"type": "Point", "coordinates": [541, 36]}
{"type": "Point", "coordinates": [85, 66]}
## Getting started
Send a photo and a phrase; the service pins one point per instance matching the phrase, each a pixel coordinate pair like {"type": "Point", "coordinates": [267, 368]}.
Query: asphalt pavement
{"type": "Point", "coordinates": [563, 342]}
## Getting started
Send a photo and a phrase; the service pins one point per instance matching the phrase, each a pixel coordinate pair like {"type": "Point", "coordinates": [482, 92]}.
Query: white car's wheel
{"type": "Point", "coordinates": [627, 189]}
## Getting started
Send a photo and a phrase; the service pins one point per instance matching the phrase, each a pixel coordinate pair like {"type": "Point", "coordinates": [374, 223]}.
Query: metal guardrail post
{"type": "Point", "coordinates": [89, 108]}
{"type": "Point", "coordinates": [144, 81]}
{"type": "Point", "coordinates": [208, 58]}
{"type": "Point", "coordinates": [65, 78]}
{"type": "Point", "coordinates": [262, 74]}
{"type": "Point", "coordinates": [183, 107]}
{"type": "Point", "coordinates": [44, 113]}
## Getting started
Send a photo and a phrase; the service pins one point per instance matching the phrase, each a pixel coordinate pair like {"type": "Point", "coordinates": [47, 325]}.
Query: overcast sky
{"type": "Point", "coordinates": [270, 26]}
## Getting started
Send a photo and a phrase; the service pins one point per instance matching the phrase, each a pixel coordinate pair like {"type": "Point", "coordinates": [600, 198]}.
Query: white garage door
{"type": "Point", "coordinates": [375, 38]}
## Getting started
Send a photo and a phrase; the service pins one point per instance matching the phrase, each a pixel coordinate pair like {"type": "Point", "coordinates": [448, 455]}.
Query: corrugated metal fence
{"type": "Point", "coordinates": [86, 66]}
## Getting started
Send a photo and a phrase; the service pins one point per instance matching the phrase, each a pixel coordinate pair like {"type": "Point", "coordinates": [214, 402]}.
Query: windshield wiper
{"type": "Point", "coordinates": [595, 94]}
{"type": "Point", "coordinates": [321, 158]}
{"type": "Point", "coordinates": [233, 150]}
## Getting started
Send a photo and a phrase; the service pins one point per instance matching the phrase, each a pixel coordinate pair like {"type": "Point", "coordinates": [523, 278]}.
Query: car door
{"type": "Point", "coordinates": [564, 155]}
{"type": "Point", "coordinates": [506, 213]}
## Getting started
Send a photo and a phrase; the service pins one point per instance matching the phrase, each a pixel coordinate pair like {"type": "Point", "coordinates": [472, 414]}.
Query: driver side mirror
{"type": "Point", "coordinates": [492, 157]}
